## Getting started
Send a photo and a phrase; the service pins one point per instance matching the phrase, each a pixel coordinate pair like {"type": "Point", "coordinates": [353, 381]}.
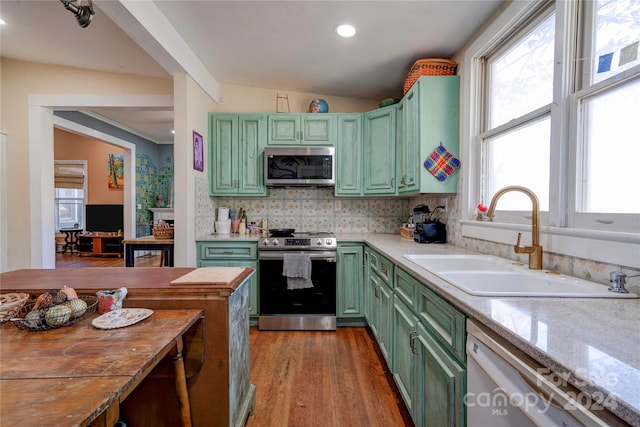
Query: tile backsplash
{"type": "Point", "coordinates": [317, 209]}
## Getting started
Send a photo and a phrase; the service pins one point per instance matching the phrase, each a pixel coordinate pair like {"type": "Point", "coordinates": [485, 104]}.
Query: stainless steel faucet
{"type": "Point", "coordinates": [535, 250]}
{"type": "Point", "coordinates": [618, 278]}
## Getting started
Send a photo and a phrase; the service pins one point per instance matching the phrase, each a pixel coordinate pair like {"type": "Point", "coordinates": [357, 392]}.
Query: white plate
{"type": "Point", "coordinates": [121, 318]}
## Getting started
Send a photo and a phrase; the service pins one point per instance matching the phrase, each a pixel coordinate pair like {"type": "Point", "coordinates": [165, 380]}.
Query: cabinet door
{"type": "Point", "coordinates": [385, 324]}
{"type": "Point", "coordinates": [400, 146]}
{"type": "Point", "coordinates": [284, 129]}
{"type": "Point", "coordinates": [224, 140]}
{"type": "Point", "coordinates": [373, 303]}
{"type": "Point", "coordinates": [410, 162]}
{"type": "Point", "coordinates": [441, 385]}
{"type": "Point", "coordinates": [253, 284]}
{"type": "Point", "coordinates": [379, 151]}
{"type": "Point", "coordinates": [350, 281]}
{"type": "Point", "coordinates": [252, 135]}
{"type": "Point", "coordinates": [349, 155]}
{"type": "Point", "coordinates": [405, 359]}
{"type": "Point", "coordinates": [437, 120]}
{"type": "Point", "coordinates": [368, 290]}
{"type": "Point", "coordinates": [317, 129]}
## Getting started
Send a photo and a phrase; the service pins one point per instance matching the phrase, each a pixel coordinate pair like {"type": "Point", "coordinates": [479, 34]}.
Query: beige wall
{"type": "Point", "coordinates": [255, 100]}
{"type": "Point", "coordinates": [69, 146]}
{"type": "Point", "coordinates": [19, 80]}
{"type": "Point", "coordinates": [191, 107]}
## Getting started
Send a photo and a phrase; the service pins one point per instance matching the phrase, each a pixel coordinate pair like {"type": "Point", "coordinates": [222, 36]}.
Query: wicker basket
{"type": "Point", "coordinates": [43, 320]}
{"type": "Point", "coordinates": [429, 67]}
{"type": "Point", "coordinates": [11, 303]}
{"type": "Point", "coordinates": [406, 232]}
{"type": "Point", "coordinates": [162, 232]}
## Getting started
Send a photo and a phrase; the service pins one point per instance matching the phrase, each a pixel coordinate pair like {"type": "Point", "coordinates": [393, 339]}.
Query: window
{"type": "Point", "coordinates": [606, 112]}
{"type": "Point", "coordinates": [561, 95]}
{"type": "Point", "coordinates": [70, 189]}
{"type": "Point", "coordinates": [517, 135]}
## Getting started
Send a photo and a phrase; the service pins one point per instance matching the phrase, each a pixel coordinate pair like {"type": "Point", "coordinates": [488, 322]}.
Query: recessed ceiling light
{"type": "Point", "coordinates": [346, 30]}
{"type": "Point", "coordinates": [1, 22]}
{"type": "Point", "coordinates": [173, 132]}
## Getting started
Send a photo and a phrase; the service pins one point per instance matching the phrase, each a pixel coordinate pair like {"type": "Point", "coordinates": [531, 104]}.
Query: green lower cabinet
{"type": "Point", "coordinates": [427, 367]}
{"type": "Point", "coordinates": [405, 359]}
{"type": "Point", "coordinates": [350, 280]}
{"type": "Point", "coordinates": [233, 254]}
{"type": "Point", "coordinates": [380, 313]}
{"type": "Point", "coordinates": [442, 385]}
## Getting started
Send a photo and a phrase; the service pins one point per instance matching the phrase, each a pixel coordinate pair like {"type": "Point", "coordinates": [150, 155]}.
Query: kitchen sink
{"type": "Point", "coordinates": [440, 263]}
{"type": "Point", "coordinates": [487, 275]}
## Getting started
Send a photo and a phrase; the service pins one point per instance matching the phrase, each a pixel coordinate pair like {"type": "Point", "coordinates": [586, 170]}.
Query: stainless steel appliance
{"type": "Point", "coordinates": [282, 308]}
{"type": "Point", "coordinates": [299, 166]}
{"type": "Point", "coordinates": [505, 387]}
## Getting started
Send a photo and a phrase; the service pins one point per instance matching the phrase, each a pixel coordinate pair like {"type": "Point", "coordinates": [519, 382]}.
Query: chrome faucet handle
{"type": "Point", "coordinates": [618, 278]}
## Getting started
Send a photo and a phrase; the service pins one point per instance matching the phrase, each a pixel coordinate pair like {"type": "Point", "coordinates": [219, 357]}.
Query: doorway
{"type": "Point", "coordinates": [41, 124]}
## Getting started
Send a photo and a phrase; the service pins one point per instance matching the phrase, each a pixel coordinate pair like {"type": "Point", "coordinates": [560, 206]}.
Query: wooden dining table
{"type": "Point", "coordinates": [78, 375]}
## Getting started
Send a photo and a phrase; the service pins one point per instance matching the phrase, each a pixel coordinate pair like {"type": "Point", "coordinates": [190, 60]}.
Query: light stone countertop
{"type": "Point", "coordinates": [229, 237]}
{"type": "Point", "coordinates": [594, 342]}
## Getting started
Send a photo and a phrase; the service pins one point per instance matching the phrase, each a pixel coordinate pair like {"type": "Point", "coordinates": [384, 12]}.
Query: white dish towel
{"type": "Point", "coordinates": [297, 269]}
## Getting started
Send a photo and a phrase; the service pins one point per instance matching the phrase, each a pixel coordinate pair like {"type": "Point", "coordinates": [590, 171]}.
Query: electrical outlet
{"type": "Point", "coordinates": [338, 205]}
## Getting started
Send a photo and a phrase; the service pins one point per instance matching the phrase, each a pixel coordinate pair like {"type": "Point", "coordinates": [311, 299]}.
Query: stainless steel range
{"type": "Point", "coordinates": [287, 307]}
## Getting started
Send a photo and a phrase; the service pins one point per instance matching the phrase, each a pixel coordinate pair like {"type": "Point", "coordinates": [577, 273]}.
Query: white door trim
{"type": "Point", "coordinates": [41, 123]}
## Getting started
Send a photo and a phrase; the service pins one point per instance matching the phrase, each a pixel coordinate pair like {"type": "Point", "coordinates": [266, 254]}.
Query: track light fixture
{"type": "Point", "coordinates": [83, 13]}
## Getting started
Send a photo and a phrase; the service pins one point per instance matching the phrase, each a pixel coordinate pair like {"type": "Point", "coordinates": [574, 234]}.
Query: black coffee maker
{"type": "Point", "coordinates": [428, 230]}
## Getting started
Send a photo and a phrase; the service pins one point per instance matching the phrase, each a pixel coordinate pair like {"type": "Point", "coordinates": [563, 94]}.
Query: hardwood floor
{"type": "Point", "coordinates": [306, 378]}
{"type": "Point", "coordinates": [322, 379]}
{"type": "Point", "coordinates": [73, 260]}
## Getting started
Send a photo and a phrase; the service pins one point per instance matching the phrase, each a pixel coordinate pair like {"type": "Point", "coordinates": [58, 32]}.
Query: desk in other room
{"type": "Point", "coordinates": [148, 243]}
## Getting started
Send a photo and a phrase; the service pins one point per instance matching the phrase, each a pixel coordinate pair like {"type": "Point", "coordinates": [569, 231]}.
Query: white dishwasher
{"type": "Point", "coordinates": [505, 387]}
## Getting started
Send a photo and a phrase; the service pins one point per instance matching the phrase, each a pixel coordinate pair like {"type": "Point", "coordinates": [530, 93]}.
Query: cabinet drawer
{"type": "Point", "coordinates": [382, 266]}
{"type": "Point", "coordinates": [406, 288]}
{"type": "Point", "coordinates": [445, 322]}
{"type": "Point", "coordinates": [228, 250]}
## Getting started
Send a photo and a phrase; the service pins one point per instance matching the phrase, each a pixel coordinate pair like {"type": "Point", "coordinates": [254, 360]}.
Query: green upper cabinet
{"type": "Point", "coordinates": [430, 116]}
{"type": "Point", "coordinates": [301, 129]}
{"type": "Point", "coordinates": [380, 151]}
{"type": "Point", "coordinates": [349, 155]}
{"type": "Point", "coordinates": [407, 144]}
{"type": "Point", "coordinates": [237, 142]}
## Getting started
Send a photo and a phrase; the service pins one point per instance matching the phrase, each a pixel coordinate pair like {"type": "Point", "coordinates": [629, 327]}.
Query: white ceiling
{"type": "Point", "coordinates": [283, 45]}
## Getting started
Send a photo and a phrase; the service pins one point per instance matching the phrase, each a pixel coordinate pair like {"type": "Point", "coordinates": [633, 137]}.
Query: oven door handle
{"type": "Point", "coordinates": [329, 256]}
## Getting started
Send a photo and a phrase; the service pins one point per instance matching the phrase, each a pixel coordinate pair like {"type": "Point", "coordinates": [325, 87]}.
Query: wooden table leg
{"type": "Point", "coordinates": [181, 384]}
{"type": "Point", "coordinates": [109, 417]}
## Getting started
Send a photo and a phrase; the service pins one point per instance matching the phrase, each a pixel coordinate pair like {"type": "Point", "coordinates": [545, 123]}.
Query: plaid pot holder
{"type": "Point", "coordinates": [441, 163]}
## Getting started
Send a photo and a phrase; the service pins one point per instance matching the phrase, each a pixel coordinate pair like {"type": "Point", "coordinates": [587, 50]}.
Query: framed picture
{"type": "Point", "coordinates": [198, 152]}
{"type": "Point", "coordinates": [115, 170]}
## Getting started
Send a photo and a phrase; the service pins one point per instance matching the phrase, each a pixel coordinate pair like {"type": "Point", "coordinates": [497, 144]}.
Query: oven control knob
{"type": "Point", "coordinates": [265, 242]}
{"type": "Point", "coordinates": [275, 242]}
{"type": "Point", "coordinates": [329, 242]}
{"type": "Point", "coordinates": [319, 242]}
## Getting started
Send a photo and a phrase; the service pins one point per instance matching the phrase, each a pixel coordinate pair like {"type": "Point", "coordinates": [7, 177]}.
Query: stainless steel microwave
{"type": "Point", "coordinates": [299, 166]}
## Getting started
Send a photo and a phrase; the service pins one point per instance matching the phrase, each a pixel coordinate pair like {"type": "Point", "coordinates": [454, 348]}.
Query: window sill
{"type": "Point", "coordinates": [615, 248]}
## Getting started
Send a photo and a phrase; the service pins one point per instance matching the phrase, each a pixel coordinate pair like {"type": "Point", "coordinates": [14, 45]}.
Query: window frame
{"type": "Point", "coordinates": [605, 245]}
{"type": "Point", "coordinates": [84, 163]}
